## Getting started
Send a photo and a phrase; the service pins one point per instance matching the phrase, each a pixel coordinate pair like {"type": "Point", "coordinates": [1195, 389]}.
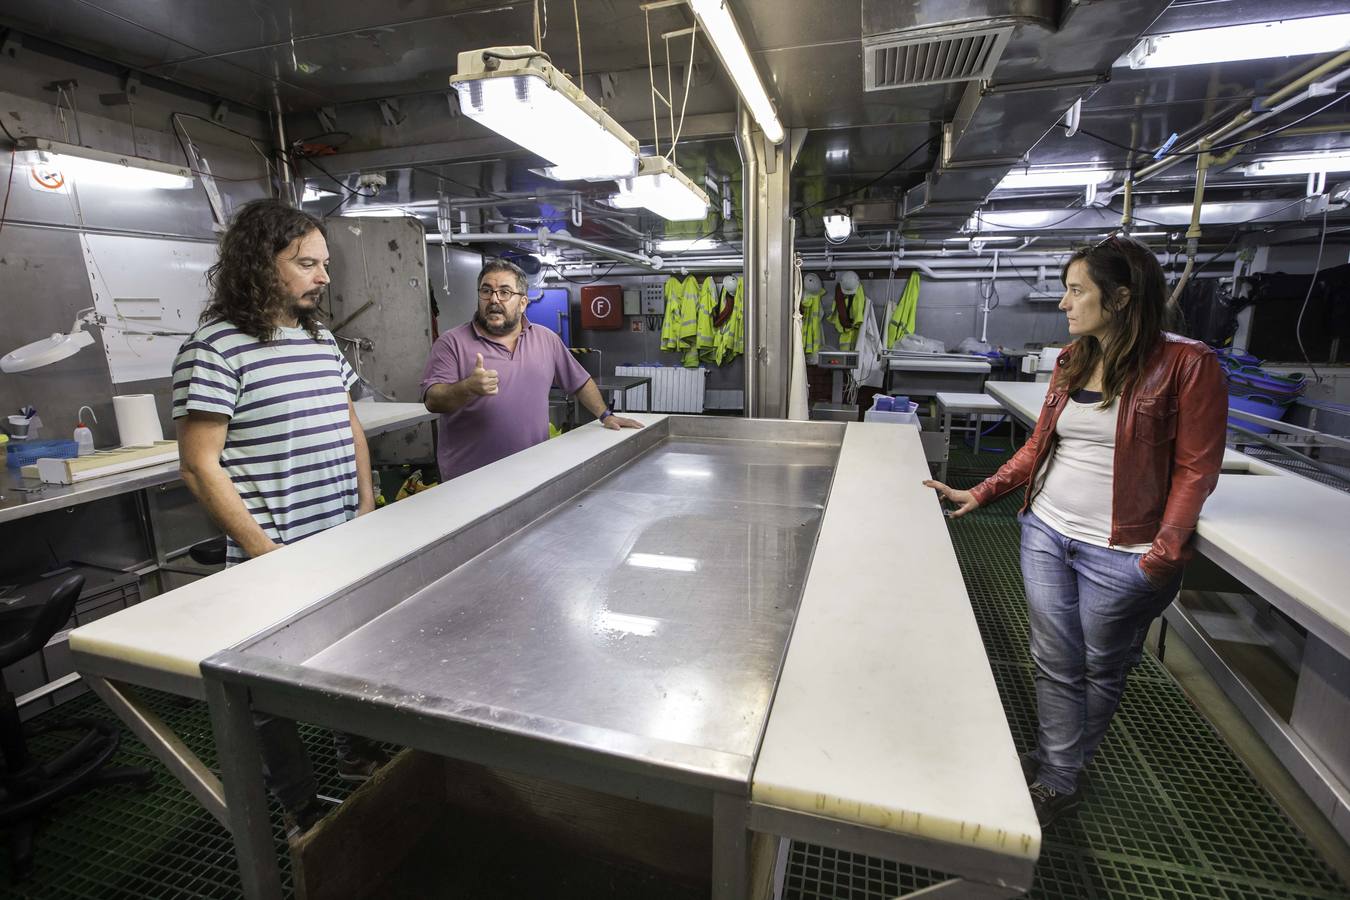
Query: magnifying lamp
{"type": "Point", "coordinates": [53, 349]}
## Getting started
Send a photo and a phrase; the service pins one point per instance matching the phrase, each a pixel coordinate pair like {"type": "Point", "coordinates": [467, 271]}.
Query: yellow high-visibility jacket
{"type": "Point", "coordinates": [730, 336]}
{"type": "Point", "coordinates": [811, 321]}
{"type": "Point", "coordinates": [856, 306]}
{"type": "Point", "coordinates": [902, 320]}
{"type": "Point", "coordinates": [680, 324]}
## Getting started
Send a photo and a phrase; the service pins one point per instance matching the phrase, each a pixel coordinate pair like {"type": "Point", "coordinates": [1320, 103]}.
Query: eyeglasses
{"type": "Point", "coordinates": [485, 292]}
{"type": "Point", "coordinates": [1106, 240]}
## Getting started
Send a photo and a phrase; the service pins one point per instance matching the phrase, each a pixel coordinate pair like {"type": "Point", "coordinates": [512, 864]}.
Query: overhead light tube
{"type": "Point", "coordinates": [59, 162]}
{"type": "Point", "coordinates": [663, 189]}
{"type": "Point", "coordinates": [1300, 164]}
{"type": "Point", "coordinates": [1023, 178]}
{"type": "Point", "coordinates": [714, 17]}
{"type": "Point", "coordinates": [517, 93]}
{"type": "Point", "coordinates": [1232, 43]}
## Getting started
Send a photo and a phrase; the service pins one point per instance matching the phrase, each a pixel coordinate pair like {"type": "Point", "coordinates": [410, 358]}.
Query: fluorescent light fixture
{"type": "Point", "coordinates": [312, 194]}
{"type": "Point", "coordinates": [715, 19]}
{"type": "Point", "coordinates": [83, 165]}
{"type": "Point", "coordinates": [680, 245]}
{"type": "Point", "coordinates": [573, 173]}
{"type": "Point", "coordinates": [982, 238]}
{"type": "Point", "coordinates": [1031, 177]}
{"type": "Point", "coordinates": [377, 212]}
{"type": "Point", "coordinates": [839, 155]}
{"type": "Point", "coordinates": [663, 189]}
{"type": "Point", "coordinates": [1300, 164]}
{"type": "Point", "coordinates": [659, 561]}
{"type": "Point", "coordinates": [642, 626]}
{"type": "Point", "coordinates": [838, 226]}
{"type": "Point", "coordinates": [53, 349]}
{"type": "Point", "coordinates": [517, 93]}
{"type": "Point", "coordinates": [1231, 43]}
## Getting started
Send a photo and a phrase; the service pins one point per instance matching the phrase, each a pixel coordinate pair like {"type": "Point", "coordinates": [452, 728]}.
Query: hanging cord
{"type": "Point", "coordinates": [581, 62]}
{"type": "Point", "coordinates": [1312, 283]}
{"type": "Point", "coordinates": [688, 80]}
{"type": "Point", "coordinates": [651, 80]}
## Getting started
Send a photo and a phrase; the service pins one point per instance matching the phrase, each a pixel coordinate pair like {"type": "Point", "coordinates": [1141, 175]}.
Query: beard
{"type": "Point", "coordinates": [506, 327]}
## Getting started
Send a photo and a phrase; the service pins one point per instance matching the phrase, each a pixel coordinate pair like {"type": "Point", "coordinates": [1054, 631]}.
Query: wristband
{"type": "Point", "coordinates": [606, 414]}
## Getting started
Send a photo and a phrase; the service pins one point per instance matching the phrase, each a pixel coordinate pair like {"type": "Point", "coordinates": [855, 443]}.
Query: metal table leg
{"type": "Point", "coordinates": [245, 795]}
{"type": "Point", "coordinates": [731, 848]}
{"type": "Point", "coordinates": [946, 430]}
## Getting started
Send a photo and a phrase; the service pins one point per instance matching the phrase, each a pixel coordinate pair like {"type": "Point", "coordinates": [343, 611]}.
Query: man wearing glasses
{"type": "Point", "coordinates": [489, 378]}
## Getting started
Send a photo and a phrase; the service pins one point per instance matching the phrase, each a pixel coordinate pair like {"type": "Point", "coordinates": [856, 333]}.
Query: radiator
{"type": "Point", "coordinates": [673, 389]}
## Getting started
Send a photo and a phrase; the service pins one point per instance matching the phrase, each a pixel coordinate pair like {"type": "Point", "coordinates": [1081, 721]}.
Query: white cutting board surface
{"type": "Point", "coordinates": [886, 712]}
{"type": "Point", "coordinates": [174, 632]}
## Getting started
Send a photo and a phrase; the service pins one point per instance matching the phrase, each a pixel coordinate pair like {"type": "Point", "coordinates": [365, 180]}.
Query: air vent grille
{"type": "Point", "coordinates": [912, 61]}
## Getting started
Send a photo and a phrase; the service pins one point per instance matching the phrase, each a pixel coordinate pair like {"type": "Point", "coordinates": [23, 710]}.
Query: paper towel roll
{"type": "Point", "coordinates": [137, 420]}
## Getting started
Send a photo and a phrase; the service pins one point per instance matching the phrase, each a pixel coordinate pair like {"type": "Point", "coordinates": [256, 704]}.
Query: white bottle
{"type": "Point", "coordinates": [84, 438]}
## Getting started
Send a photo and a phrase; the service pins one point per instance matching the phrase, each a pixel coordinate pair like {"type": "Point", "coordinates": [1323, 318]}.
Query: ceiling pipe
{"type": "Point", "coordinates": [543, 238]}
{"type": "Point", "coordinates": [1295, 92]}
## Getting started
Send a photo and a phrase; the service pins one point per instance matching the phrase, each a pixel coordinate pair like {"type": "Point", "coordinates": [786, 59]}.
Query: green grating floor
{"type": "Point", "coordinates": [1170, 811]}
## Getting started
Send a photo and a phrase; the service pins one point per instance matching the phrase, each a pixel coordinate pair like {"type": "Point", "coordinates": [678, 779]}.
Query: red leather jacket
{"type": "Point", "coordinates": [1169, 447]}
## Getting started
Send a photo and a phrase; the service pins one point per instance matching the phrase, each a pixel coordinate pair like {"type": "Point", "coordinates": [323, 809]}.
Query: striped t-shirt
{"type": "Point", "coordinates": [289, 448]}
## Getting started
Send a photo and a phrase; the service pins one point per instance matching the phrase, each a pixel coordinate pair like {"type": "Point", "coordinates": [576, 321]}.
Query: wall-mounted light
{"type": "Point", "coordinates": [58, 161]}
{"type": "Point", "coordinates": [1232, 43]}
{"type": "Point", "coordinates": [681, 245]}
{"type": "Point", "coordinates": [516, 92]}
{"type": "Point", "coordinates": [715, 19]}
{"type": "Point", "coordinates": [53, 349]}
{"type": "Point", "coordinates": [838, 225]}
{"type": "Point", "coordinates": [663, 189]}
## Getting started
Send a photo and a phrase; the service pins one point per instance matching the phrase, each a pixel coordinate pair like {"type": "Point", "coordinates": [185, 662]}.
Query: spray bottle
{"type": "Point", "coordinates": [83, 436]}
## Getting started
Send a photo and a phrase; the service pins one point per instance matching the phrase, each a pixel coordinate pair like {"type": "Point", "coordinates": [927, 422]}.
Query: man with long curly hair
{"type": "Point", "coordinates": [268, 438]}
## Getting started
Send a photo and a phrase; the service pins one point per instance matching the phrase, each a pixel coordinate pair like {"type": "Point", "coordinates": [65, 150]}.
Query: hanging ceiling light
{"type": "Point", "coordinates": [1231, 43]}
{"type": "Point", "coordinates": [715, 19]}
{"type": "Point", "coordinates": [1300, 164]}
{"type": "Point", "coordinates": [663, 189]}
{"type": "Point", "coordinates": [53, 349]}
{"type": "Point", "coordinates": [838, 225]}
{"type": "Point", "coordinates": [55, 162]}
{"type": "Point", "coordinates": [1029, 177]}
{"type": "Point", "coordinates": [516, 92]}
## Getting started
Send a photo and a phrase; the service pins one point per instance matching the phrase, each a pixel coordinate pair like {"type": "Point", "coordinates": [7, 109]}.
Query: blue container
{"type": "Point", "coordinates": [1257, 404]}
{"type": "Point", "coordinates": [25, 453]}
{"type": "Point", "coordinates": [883, 403]}
{"type": "Point", "coordinates": [1258, 380]}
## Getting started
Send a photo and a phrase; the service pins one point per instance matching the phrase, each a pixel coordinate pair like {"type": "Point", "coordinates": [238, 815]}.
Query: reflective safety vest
{"type": "Point", "coordinates": [846, 315]}
{"type": "Point", "coordinates": [902, 319]}
{"type": "Point", "coordinates": [811, 321]}
{"type": "Point", "coordinates": [680, 323]}
{"type": "Point", "coordinates": [728, 319]}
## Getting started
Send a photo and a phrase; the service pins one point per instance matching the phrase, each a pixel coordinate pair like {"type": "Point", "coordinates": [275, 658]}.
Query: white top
{"type": "Point", "coordinates": [886, 712]}
{"type": "Point", "coordinates": [174, 632]}
{"type": "Point", "coordinates": [1074, 495]}
{"type": "Point", "coordinates": [1285, 538]}
{"type": "Point", "coordinates": [967, 402]}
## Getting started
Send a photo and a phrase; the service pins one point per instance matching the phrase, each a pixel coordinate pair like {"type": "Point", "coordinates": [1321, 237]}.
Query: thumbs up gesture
{"type": "Point", "coordinates": [481, 381]}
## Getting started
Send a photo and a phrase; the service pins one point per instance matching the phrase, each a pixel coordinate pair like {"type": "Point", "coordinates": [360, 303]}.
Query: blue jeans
{"type": "Point", "coordinates": [1090, 609]}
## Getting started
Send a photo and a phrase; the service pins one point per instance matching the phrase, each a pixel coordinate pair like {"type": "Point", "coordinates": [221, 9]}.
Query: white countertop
{"type": "Point", "coordinates": [377, 418]}
{"type": "Point", "coordinates": [1286, 539]}
{"type": "Point", "coordinates": [886, 713]}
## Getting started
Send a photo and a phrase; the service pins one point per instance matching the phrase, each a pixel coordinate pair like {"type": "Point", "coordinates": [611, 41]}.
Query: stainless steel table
{"type": "Point", "coordinates": [627, 641]}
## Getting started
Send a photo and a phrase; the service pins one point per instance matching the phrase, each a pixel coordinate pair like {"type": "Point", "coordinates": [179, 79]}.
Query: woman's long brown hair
{"type": "Point", "coordinates": [1134, 320]}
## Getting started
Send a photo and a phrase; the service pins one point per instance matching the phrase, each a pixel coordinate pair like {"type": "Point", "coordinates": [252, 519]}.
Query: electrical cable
{"type": "Point", "coordinates": [339, 182]}
{"type": "Point", "coordinates": [1182, 155]}
{"type": "Point", "coordinates": [9, 186]}
{"type": "Point", "coordinates": [908, 156]}
{"type": "Point", "coordinates": [688, 80]}
{"type": "Point", "coordinates": [1312, 283]}
{"type": "Point", "coordinates": [592, 280]}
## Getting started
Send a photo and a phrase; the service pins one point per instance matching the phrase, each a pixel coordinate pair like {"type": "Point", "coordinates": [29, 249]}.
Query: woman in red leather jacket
{"type": "Point", "coordinates": [1126, 449]}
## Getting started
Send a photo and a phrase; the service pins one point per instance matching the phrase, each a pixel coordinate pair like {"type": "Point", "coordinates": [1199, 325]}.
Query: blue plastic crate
{"type": "Point", "coordinates": [25, 453]}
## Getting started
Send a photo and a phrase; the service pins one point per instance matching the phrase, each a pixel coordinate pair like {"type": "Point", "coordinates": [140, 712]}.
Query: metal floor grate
{"type": "Point", "coordinates": [1170, 811]}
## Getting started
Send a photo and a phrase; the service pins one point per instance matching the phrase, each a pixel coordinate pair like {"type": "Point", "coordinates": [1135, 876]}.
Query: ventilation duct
{"type": "Point", "coordinates": [940, 41]}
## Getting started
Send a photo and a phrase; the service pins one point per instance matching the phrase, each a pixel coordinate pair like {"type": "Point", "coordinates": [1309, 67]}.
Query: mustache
{"type": "Point", "coordinates": [496, 308]}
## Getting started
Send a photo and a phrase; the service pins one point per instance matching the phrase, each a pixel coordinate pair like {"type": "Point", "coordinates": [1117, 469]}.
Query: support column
{"type": "Point", "coordinates": [766, 197]}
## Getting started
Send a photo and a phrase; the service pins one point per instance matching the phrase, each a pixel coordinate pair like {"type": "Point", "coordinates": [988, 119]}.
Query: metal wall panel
{"type": "Point", "coordinates": [383, 263]}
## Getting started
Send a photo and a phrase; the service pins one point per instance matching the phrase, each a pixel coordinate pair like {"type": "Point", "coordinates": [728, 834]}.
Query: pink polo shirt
{"type": "Point", "coordinates": [487, 429]}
